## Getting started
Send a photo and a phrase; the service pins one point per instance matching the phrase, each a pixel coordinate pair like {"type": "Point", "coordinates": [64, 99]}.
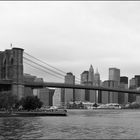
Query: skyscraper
{"type": "Point", "coordinates": [97, 78]}
{"type": "Point", "coordinates": [132, 85]}
{"type": "Point", "coordinates": [92, 93]}
{"type": "Point", "coordinates": [84, 94]}
{"type": "Point", "coordinates": [114, 74]}
{"type": "Point", "coordinates": [97, 82]}
{"type": "Point", "coordinates": [57, 97]}
{"type": "Point", "coordinates": [114, 82]}
{"type": "Point", "coordinates": [84, 78]}
{"type": "Point", "coordinates": [110, 97]}
{"type": "Point", "coordinates": [137, 79]}
{"type": "Point", "coordinates": [91, 75]}
{"type": "Point", "coordinates": [69, 93]}
{"type": "Point", "coordinates": [123, 97]}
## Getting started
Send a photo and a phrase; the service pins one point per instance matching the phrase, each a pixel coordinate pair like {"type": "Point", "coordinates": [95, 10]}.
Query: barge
{"type": "Point", "coordinates": [56, 112]}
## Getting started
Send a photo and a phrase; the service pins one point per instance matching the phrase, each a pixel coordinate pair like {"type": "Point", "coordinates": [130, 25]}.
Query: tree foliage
{"type": "Point", "coordinates": [30, 102]}
{"type": "Point", "coordinates": [7, 100]}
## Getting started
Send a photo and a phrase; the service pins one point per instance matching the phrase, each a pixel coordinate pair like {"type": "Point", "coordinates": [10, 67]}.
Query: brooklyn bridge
{"type": "Point", "coordinates": [12, 76]}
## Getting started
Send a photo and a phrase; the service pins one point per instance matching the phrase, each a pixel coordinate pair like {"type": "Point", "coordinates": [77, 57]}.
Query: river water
{"type": "Point", "coordinates": [79, 124]}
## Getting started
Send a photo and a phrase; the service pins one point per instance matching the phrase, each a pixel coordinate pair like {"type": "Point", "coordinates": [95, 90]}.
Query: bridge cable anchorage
{"type": "Point", "coordinates": [49, 65]}
{"type": "Point", "coordinates": [43, 68]}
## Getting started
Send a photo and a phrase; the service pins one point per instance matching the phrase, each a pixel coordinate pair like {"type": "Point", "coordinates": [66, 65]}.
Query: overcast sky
{"type": "Point", "coordinates": [72, 35]}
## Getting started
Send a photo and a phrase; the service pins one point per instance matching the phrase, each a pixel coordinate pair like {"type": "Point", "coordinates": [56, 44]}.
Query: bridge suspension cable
{"type": "Point", "coordinates": [51, 72]}
{"type": "Point", "coordinates": [43, 70]}
{"type": "Point", "coordinates": [43, 66]}
{"type": "Point", "coordinates": [45, 63]}
{"type": "Point", "coordinates": [56, 71]}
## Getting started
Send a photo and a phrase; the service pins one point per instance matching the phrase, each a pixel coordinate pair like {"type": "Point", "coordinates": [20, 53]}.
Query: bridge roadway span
{"type": "Point", "coordinates": [78, 86]}
{"type": "Point", "coordinates": [75, 86]}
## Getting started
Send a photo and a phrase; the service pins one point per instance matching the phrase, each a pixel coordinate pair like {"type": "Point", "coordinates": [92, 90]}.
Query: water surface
{"type": "Point", "coordinates": [79, 124]}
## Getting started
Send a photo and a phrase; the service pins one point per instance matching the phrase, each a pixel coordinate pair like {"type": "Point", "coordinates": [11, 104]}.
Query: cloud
{"type": "Point", "coordinates": [73, 35]}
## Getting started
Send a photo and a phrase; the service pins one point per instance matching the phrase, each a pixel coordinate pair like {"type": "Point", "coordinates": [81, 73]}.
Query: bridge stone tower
{"type": "Point", "coordinates": [11, 68]}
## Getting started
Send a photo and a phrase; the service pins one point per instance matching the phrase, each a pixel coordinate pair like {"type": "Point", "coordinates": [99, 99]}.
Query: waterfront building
{"type": "Point", "coordinates": [28, 91]}
{"type": "Point", "coordinates": [105, 94]}
{"type": "Point", "coordinates": [123, 97]}
{"type": "Point", "coordinates": [110, 97]}
{"type": "Point", "coordinates": [114, 74]}
{"type": "Point", "coordinates": [45, 95]}
{"type": "Point", "coordinates": [132, 85]}
{"type": "Point", "coordinates": [69, 93]}
{"type": "Point", "coordinates": [51, 94]}
{"type": "Point", "coordinates": [79, 95]}
{"type": "Point", "coordinates": [57, 97]}
{"type": "Point", "coordinates": [137, 80]}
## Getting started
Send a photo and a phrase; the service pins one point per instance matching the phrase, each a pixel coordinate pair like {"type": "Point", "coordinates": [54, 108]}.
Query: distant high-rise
{"type": "Point", "coordinates": [137, 79]}
{"type": "Point", "coordinates": [132, 85]}
{"type": "Point", "coordinates": [110, 97]}
{"type": "Point", "coordinates": [97, 78]}
{"type": "Point", "coordinates": [123, 97]}
{"type": "Point", "coordinates": [87, 78]}
{"type": "Point", "coordinates": [124, 80]}
{"type": "Point", "coordinates": [114, 74]}
{"type": "Point", "coordinates": [69, 93]}
{"type": "Point", "coordinates": [57, 97]}
{"type": "Point", "coordinates": [97, 82]}
{"type": "Point", "coordinates": [84, 94]}
{"type": "Point", "coordinates": [84, 77]}
{"type": "Point", "coordinates": [91, 75]}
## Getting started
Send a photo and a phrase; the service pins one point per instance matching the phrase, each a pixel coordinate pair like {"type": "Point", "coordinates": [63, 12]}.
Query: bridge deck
{"type": "Point", "coordinates": [63, 85]}
{"type": "Point", "coordinates": [76, 86]}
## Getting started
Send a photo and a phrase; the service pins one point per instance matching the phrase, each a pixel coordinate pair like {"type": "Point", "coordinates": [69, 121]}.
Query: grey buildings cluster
{"type": "Point", "coordinates": [63, 96]}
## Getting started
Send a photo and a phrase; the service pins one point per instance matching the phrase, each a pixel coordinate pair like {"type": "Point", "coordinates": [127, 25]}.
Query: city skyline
{"type": "Point", "coordinates": [73, 35]}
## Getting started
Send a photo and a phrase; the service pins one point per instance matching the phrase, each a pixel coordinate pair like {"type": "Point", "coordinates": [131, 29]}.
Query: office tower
{"type": "Point", "coordinates": [105, 94]}
{"type": "Point", "coordinates": [43, 95]}
{"type": "Point", "coordinates": [92, 93]}
{"type": "Point", "coordinates": [51, 94]}
{"type": "Point", "coordinates": [114, 81]}
{"type": "Point", "coordinates": [97, 78]}
{"type": "Point", "coordinates": [110, 97]}
{"type": "Point", "coordinates": [91, 75]}
{"type": "Point", "coordinates": [132, 85]}
{"type": "Point", "coordinates": [137, 79]}
{"type": "Point", "coordinates": [84, 81]}
{"type": "Point", "coordinates": [84, 78]}
{"type": "Point", "coordinates": [57, 97]}
{"type": "Point", "coordinates": [123, 97]}
{"type": "Point", "coordinates": [114, 74]}
{"type": "Point", "coordinates": [97, 82]}
{"type": "Point", "coordinates": [69, 93]}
